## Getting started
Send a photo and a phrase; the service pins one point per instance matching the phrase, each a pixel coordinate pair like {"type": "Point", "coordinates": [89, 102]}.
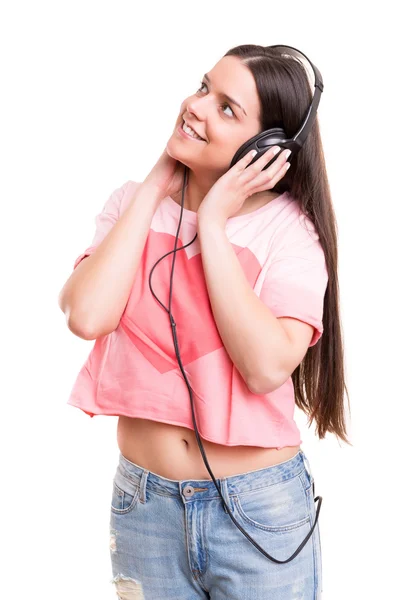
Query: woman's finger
{"type": "Point", "coordinates": [264, 181]}
{"type": "Point", "coordinates": [246, 160]}
{"type": "Point", "coordinates": [256, 174]}
{"type": "Point", "coordinates": [270, 171]}
{"type": "Point", "coordinates": [265, 159]}
{"type": "Point", "coordinates": [260, 162]}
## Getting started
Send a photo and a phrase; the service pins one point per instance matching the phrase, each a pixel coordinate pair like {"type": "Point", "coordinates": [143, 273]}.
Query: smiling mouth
{"type": "Point", "coordinates": [197, 138]}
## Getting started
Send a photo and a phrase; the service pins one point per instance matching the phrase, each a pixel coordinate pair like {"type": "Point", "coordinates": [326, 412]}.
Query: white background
{"type": "Point", "coordinates": [90, 93]}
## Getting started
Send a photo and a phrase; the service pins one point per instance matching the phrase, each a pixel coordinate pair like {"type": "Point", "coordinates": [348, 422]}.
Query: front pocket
{"type": "Point", "coordinates": [277, 508]}
{"type": "Point", "coordinates": [123, 501]}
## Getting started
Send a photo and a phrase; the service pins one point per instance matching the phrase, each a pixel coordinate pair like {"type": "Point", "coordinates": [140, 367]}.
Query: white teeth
{"type": "Point", "coordinates": [190, 131]}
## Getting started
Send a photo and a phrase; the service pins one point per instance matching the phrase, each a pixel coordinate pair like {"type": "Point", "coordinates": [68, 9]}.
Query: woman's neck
{"type": "Point", "coordinates": [252, 203]}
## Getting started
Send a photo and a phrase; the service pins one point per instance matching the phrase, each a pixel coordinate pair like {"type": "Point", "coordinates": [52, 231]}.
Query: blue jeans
{"type": "Point", "coordinates": [175, 540]}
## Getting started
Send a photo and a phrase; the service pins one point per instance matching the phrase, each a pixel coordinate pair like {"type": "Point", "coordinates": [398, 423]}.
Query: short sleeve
{"type": "Point", "coordinates": [295, 282]}
{"type": "Point", "coordinates": [105, 220]}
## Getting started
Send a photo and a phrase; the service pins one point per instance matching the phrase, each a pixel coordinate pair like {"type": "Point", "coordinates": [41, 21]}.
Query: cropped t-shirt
{"type": "Point", "coordinates": [134, 371]}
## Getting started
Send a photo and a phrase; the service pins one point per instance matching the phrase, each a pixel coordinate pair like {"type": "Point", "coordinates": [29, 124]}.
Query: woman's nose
{"type": "Point", "coordinates": [195, 109]}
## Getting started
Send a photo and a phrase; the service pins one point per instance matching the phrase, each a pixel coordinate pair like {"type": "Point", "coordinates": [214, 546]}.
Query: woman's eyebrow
{"type": "Point", "coordinates": [226, 95]}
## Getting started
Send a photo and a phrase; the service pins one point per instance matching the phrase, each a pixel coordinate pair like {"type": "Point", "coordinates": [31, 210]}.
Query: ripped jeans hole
{"type": "Point", "coordinates": [113, 542]}
{"type": "Point", "coordinates": [128, 588]}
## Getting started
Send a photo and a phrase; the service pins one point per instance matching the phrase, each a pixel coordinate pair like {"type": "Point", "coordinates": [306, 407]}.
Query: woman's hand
{"type": "Point", "coordinates": [228, 194]}
{"type": "Point", "coordinates": [166, 176]}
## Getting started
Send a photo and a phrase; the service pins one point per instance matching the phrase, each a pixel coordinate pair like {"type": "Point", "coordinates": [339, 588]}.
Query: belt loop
{"type": "Point", "coordinates": [225, 493]}
{"type": "Point", "coordinates": [143, 485]}
{"type": "Point", "coordinates": [307, 463]}
{"type": "Point", "coordinates": [308, 467]}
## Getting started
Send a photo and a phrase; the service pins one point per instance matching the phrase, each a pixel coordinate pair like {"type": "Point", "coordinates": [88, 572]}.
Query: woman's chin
{"type": "Point", "coordinates": [194, 161]}
{"type": "Point", "coordinates": [177, 153]}
{"type": "Point", "coordinates": [173, 148]}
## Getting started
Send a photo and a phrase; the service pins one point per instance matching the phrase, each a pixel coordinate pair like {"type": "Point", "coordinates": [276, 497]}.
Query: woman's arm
{"type": "Point", "coordinates": [96, 293]}
{"type": "Point", "coordinates": [257, 343]}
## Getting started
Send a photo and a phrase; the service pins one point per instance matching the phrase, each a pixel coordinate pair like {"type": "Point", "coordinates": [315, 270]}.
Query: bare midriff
{"type": "Point", "coordinates": [173, 452]}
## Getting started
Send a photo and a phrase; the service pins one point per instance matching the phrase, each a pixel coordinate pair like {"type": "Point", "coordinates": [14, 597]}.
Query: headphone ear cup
{"type": "Point", "coordinates": [261, 142]}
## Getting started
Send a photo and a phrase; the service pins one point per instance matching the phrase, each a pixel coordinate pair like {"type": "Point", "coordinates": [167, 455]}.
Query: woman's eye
{"type": "Point", "coordinates": [225, 103]}
{"type": "Point", "coordinates": [201, 85]}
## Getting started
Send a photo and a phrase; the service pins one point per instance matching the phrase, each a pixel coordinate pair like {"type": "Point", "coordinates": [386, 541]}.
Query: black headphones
{"type": "Point", "coordinates": [260, 142]}
{"type": "Point", "coordinates": [276, 136]}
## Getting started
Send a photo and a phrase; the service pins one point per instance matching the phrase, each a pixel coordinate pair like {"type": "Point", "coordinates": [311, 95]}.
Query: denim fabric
{"type": "Point", "coordinates": [173, 539]}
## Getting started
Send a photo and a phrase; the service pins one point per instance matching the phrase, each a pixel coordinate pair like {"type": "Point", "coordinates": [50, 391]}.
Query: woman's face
{"type": "Point", "coordinates": [222, 124]}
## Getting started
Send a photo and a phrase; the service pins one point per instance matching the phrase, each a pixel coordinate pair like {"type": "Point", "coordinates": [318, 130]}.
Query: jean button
{"type": "Point", "coordinates": [188, 491]}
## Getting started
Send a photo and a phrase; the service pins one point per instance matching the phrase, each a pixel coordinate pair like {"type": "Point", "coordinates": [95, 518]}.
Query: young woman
{"type": "Point", "coordinates": [256, 304]}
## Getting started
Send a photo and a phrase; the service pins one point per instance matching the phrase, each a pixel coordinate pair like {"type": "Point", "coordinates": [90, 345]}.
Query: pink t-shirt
{"type": "Point", "coordinates": [134, 371]}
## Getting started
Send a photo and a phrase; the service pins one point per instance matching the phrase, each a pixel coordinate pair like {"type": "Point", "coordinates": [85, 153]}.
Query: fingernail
{"type": "Point", "coordinates": [275, 150]}
{"type": "Point", "coordinates": [287, 153]}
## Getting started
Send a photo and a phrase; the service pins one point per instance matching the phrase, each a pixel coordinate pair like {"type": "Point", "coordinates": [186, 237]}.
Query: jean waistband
{"type": "Point", "coordinates": [234, 484]}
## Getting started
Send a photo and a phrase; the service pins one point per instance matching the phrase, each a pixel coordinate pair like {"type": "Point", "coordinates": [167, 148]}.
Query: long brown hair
{"type": "Point", "coordinates": [285, 95]}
